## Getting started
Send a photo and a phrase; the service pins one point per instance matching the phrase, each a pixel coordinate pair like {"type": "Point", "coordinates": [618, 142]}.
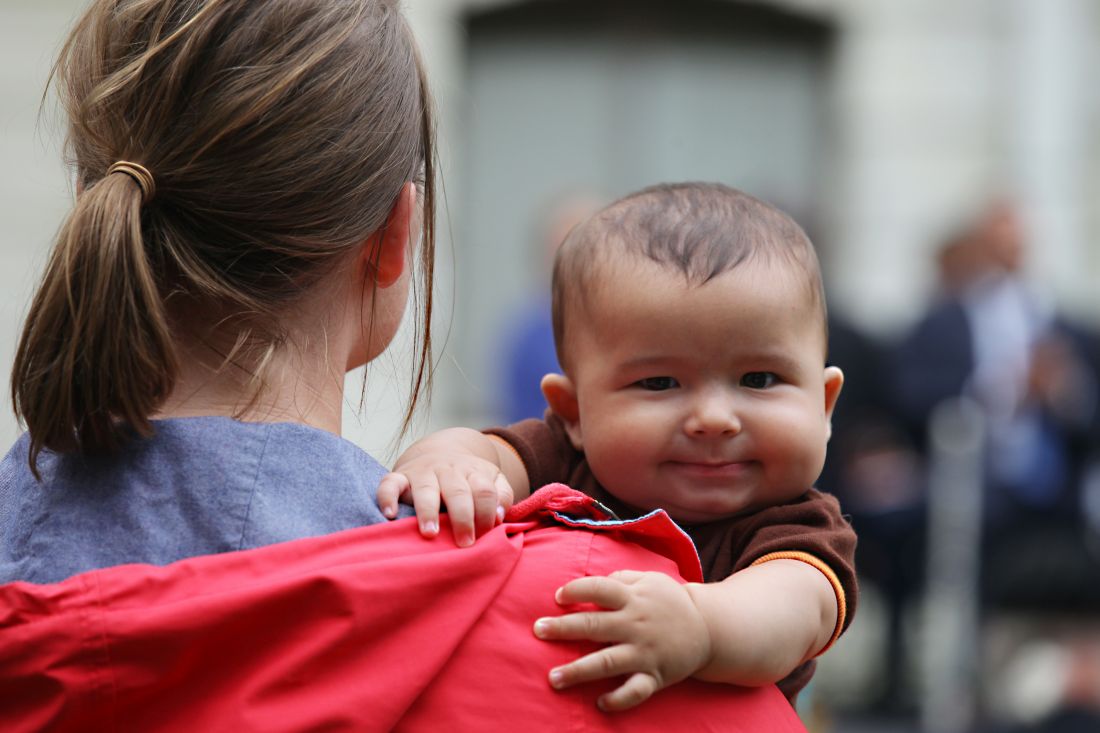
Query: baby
{"type": "Point", "coordinates": [689, 321]}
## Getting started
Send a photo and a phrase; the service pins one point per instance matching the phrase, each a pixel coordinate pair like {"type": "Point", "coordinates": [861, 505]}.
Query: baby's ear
{"type": "Point", "coordinates": [834, 380]}
{"type": "Point", "coordinates": [561, 395]}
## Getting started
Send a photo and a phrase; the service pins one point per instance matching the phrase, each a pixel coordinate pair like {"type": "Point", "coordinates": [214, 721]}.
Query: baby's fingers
{"type": "Point", "coordinates": [390, 489]}
{"type": "Point", "coordinates": [506, 496]}
{"type": "Point", "coordinates": [486, 501]}
{"type": "Point", "coordinates": [458, 493]}
{"type": "Point", "coordinates": [636, 690]}
{"type": "Point", "coordinates": [476, 502]}
{"type": "Point", "coordinates": [612, 661]}
{"type": "Point", "coordinates": [590, 625]}
{"type": "Point", "coordinates": [425, 498]}
{"type": "Point", "coordinates": [605, 592]}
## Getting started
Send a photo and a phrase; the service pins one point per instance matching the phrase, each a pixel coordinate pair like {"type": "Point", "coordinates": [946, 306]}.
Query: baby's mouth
{"type": "Point", "coordinates": [705, 468]}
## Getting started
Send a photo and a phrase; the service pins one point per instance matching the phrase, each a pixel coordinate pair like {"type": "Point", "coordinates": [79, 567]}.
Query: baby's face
{"type": "Point", "coordinates": [706, 401]}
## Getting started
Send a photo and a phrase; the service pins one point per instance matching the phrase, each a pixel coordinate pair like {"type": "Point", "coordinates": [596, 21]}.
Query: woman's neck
{"type": "Point", "coordinates": [299, 383]}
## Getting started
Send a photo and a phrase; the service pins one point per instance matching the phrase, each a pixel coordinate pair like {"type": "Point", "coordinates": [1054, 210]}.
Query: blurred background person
{"type": "Point", "coordinates": [992, 336]}
{"type": "Point", "coordinates": [527, 345]}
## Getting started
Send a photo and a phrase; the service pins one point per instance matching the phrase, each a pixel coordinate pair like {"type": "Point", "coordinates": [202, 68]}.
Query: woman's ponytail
{"type": "Point", "coordinates": [96, 357]}
{"type": "Point", "coordinates": [279, 134]}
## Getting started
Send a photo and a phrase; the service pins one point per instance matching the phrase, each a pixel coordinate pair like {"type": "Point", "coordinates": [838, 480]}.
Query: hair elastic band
{"type": "Point", "coordinates": [140, 174]}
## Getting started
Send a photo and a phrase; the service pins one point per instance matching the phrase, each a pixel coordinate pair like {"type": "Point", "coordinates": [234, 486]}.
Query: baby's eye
{"type": "Point", "coordinates": [657, 384]}
{"type": "Point", "coordinates": [758, 380]}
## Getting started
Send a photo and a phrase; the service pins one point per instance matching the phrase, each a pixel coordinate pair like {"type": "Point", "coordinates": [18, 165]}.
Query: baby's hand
{"type": "Point", "coordinates": [474, 490]}
{"type": "Point", "coordinates": [656, 634]}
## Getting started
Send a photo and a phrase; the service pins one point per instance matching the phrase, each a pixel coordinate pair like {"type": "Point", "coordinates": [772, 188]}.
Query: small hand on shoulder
{"type": "Point", "coordinates": [655, 634]}
{"type": "Point", "coordinates": [461, 469]}
{"type": "Point", "coordinates": [752, 628]}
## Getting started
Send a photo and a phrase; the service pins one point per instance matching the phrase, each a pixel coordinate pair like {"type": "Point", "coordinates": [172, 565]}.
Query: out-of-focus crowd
{"type": "Point", "coordinates": [990, 337]}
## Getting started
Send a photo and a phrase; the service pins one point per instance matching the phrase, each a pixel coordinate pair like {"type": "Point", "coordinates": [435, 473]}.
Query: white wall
{"type": "Point", "coordinates": [34, 187]}
{"type": "Point", "coordinates": [942, 104]}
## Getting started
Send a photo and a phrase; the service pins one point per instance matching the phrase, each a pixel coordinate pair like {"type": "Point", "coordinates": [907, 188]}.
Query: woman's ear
{"type": "Point", "coordinates": [386, 251]}
{"type": "Point", "coordinates": [834, 380]}
{"type": "Point", "coordinates": [561, 396]}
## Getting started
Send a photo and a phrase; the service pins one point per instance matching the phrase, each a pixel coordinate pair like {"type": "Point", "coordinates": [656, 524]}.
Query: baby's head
{"type": "Point", "coordinates": [690, 325]}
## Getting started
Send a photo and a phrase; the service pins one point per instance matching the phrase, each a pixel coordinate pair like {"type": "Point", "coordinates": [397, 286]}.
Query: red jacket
{"type": "Point", "coordinates": [373, 629]}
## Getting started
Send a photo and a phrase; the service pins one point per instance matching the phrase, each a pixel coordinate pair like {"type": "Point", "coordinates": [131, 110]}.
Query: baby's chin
{"type": "Point", "coordinates": [688, 516]}
{"type": "Point", "coordinates": [692, 515]}
{"type": "Point", "coordinates": [705, 514]}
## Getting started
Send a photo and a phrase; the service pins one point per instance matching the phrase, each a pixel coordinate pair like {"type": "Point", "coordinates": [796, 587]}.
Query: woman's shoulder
{"type": "Point", "coordinates": [285, 453]}
{"type": "Point", "coordinates": [196, 486]}
{"type": "Point", "coordinates": [283, 480]}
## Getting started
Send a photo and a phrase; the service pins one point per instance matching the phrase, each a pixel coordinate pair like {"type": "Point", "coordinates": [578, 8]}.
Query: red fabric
{"type": "Point", "coordinates": [373, 629]}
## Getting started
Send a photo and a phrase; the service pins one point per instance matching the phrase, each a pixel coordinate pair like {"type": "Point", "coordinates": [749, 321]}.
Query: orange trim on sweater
{"type": "Point", "coordinates": [838, 589]}
{"type": "Point", "coordinates": [511, 448]}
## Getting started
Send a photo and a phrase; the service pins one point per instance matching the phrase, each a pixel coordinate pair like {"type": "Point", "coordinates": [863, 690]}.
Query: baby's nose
{"type": "Point", "coordinates": [714, 415]}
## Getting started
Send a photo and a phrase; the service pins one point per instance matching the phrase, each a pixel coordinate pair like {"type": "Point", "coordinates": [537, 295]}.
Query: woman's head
{"type": "Point", "coordinates": [279, 135]}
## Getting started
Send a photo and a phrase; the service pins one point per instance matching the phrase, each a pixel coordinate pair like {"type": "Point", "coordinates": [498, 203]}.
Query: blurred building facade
{"type": "Point", "coordinates": [878, 123]}
{"type": "Point", "coordinates": [881, 125]}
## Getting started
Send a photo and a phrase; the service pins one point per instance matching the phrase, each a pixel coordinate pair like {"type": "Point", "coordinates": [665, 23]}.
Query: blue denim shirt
{"type": "Point", "coordinates": [198, 486]}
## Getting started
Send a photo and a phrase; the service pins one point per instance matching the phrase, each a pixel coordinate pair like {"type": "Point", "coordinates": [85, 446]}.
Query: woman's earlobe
{"type": "Point", "coordinates": [387, 250]}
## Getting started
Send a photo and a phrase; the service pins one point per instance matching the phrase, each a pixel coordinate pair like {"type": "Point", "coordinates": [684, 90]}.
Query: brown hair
{"type": "Point", "coordinates": [699, 230]}
{"type": "Point", "coordinates": [279, 134]}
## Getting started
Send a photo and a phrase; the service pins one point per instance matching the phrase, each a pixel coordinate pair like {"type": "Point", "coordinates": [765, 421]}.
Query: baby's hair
{"type": "Point", "coordinates": [278, 134]}
{"type": "Point", "coordinates": [699, 230]}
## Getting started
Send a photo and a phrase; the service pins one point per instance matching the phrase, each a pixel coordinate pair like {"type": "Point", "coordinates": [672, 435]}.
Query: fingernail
{"type": "Point", "coordinates": [557, 595]}
{"type": "Point", "coordinates": [556, 678]}
{"type": "Point", "coordinates": [500, 514]}
{"type": "Point", "coordinates": [542, 626]}
{"type": "Point", "coordinates": [430, 528]}
{"type": "Point", "coordinates": [465, 540]}
{"type": "Point", "coordinates": [389, 512]}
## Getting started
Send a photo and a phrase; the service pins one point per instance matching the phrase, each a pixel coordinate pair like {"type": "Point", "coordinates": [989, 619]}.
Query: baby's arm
{"type": "Point", "coordinates": [477, 476]}
{"type": "Point", "coordinates": [766, 620]}
{"type": "Point", "coordinates": [752, 628]}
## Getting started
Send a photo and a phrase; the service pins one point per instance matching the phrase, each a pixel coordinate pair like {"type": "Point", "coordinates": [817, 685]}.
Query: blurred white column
{"type": "Point", "coordinates": [953, 635]}
{"type": "Point", "coordinates": [1046, 78]}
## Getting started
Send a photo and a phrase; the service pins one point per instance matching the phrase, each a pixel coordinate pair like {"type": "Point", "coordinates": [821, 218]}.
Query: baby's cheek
{"type": "Point", "coordinates": [611, 468]}
{"type": "Point", "coordinates": [618, 473]}
{"type": "Point", "coordinates": [802, 468]}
